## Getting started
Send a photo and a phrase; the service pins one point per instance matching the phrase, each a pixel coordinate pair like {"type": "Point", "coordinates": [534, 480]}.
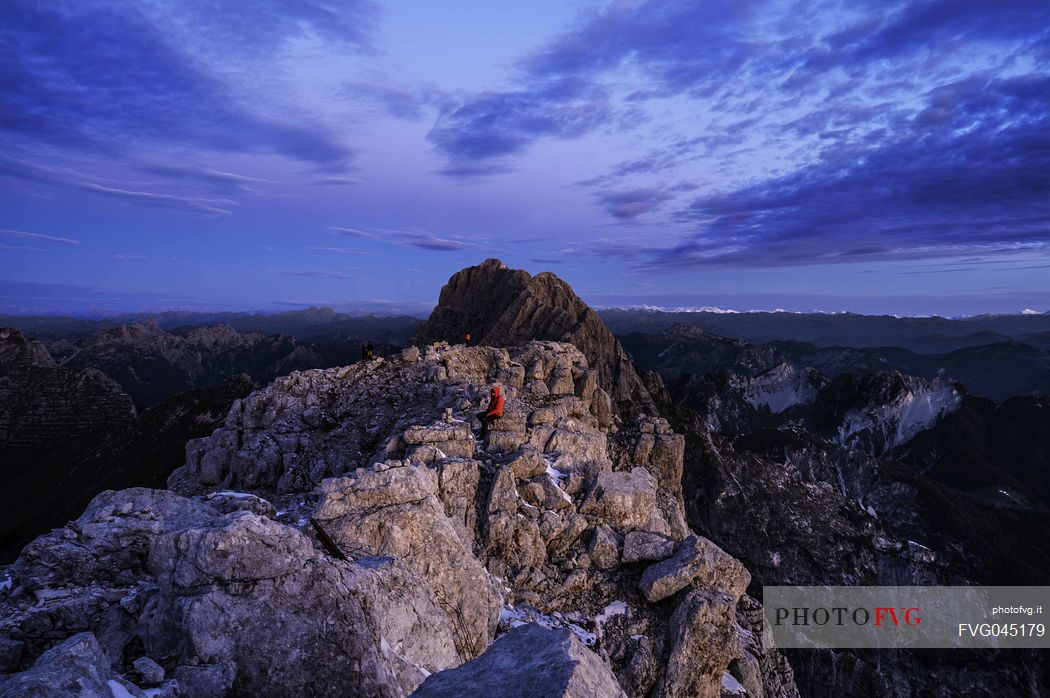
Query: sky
{"type": "Point", "coordinates": [877, 157]}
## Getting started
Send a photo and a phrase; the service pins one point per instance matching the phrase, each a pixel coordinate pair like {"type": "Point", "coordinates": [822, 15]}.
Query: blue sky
{"type": "Point", "coordinates": [868, 156]}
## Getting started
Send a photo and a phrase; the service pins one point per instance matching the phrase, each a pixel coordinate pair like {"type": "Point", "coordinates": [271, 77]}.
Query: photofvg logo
{"type": "Point", "coordinates": [841, 615]}
{"type": "Point", "coordinates": [916, 617]}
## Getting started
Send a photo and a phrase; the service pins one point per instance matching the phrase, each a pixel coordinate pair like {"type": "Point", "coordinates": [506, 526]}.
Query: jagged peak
{"type": "Point", "coordinates": [502, 307]}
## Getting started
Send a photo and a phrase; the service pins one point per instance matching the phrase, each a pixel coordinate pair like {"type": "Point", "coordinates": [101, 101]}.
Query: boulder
{"type": "Point", "coordinates": [77, 667]}
{"type": "Point", "coordinates": [395, 509]}
{"type": "Point", "coordinates": [625, 500]}
{"type": "Point", "coordinates": [699, 562]}
{"type": "Point", "coordinates": [532, 661]}
{"type": "Point", "coordinates": [702, 633]}
{"type": "Point", "coordinates": [527, 463]}
{"type": "Point", "coordinates": [604, 548]}
{"type": "Point", "coordinates": [639, 546]}
{"type": "Point", "coordinates": [366, 627]}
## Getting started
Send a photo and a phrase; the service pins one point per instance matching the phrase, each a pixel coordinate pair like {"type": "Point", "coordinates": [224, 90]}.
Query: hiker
{"type": "Point", "coordinates": [364, 351]}
{"type": "Point", "coordinates": [466, 339]}
{"type": "Point", "coordinates": [493, 412]}
{"type": "Point", "coordinates": [370, 351]}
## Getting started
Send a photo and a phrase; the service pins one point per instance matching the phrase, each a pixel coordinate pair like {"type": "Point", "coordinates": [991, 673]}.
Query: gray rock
{"type": "Point", "coordinates": [397, 512]}
{"type": "Point", "coordinates": [527, 463]}
{"type": "Point", "coordinates": [530, 661]}
{"type": "Point", "coordinates": [207, 681]}
{"type": "Point", "coordinates": [238, 595]}
{"type": "Point", "coordinates": [151, 672]}
{"type": "Point", "coordinates": [703, 642]}
{"type": "Point", "coordinates": [77, 667]}
{"type": "Point", "coordinates": [625, 500]}
{"type": "Point", "coordinates": [697, 561]}
{"type": "Point", "coordinates": [639, 546]}
{"type": "Point", "coordinates": [604, 548]}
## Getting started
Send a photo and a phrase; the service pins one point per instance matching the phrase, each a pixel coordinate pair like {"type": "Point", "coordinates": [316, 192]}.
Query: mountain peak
{"type": "Point", "coordinates": [502, 307]}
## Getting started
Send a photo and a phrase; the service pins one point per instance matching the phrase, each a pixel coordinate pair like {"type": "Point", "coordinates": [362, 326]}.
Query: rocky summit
{"type": "Point", "coordinates": [346, 531]}
{"type": "Point", "coordinates": [501, 307]}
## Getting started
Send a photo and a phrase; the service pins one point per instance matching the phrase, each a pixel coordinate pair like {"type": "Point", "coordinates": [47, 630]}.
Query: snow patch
{"type": "Point", "coordinates": [1029, 311]}
{"type": "Point", "coordinates": [731, 686]}
{"type": "Point", "coordinates": [897, 422]}
{"type": "Point", "coordinates": [118, 690]}
{"type": "Point", "coordinates": [558, 478]}
{"type": "Point", "coordinates": [512, 617]}
{"type": "Point", "coordinates": [616, 608]}
{"type": "Point", "coordinates": [779, 389]}
{"type": "Point", "coordinates": [233, 495]}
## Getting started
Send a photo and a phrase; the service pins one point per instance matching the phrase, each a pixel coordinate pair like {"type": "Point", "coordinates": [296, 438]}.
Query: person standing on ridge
{"type": "Point", "coordinates": [364, 351]}
{"type": "Point", "coordinates": [466, 339]}
{"type": "Point", "coordinates": [493, 412]}
{"type": "Point", "coordinates": [370, 351]}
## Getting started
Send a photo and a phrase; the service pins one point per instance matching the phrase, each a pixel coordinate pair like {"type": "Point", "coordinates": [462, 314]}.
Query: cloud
{"type": "Point", "coordinates": [924, 26]}
{"type": "Point", "coordinates": [628, 205]}
{"type": "Point", "coordinates": [355, 232]}
{"type": "Point", "coordinates": [968, 175]}
{"type": "Point", "coordinates": [342, 250]}
{"type": "Point", "coordinates": [168, 201]}
{"type": "Point", "coordinates": [835, 74]}
{"type": "Point", "coordinates": [401, 102]}
{"type": "Point", "coordinates": [498, 124]}
{"type": "Point", "coordinates": [336, 181]}
{"type": "Point", "coordinates": [260, 28]}
{"type": "Point", "coordinates": [319, 273]}
{"type": "Point", "coordinates": [71, 179]}
{"type": "Point", "coordinates": [222, 182]}
{"type": "Point", "coordinates": [99, 76]}
{"type": "Point", "coordinates": [38, 236]}
{"type": "Point", "coordinates": [413, 238]}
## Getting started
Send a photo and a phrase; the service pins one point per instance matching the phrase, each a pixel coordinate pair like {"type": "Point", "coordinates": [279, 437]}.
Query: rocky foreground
{"type": "Point", "coordinates": [345, 533]}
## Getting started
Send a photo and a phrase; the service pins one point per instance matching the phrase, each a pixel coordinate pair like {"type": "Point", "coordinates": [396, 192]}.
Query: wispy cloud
{"type": "Point", "coordinates": [98, 76]}
{"type": "Point", "coordinates": [217, 180]}
{"type": "Point", "coordinates": [171, 201]}
{"type": "Point", "coordinates": [412, 237]}
{"type": "Point", "coordinates": [342, 250]}
{"type": "Point", "coordinates": [69, 179]}
{"type": "Point", "coordinates": [318, 273]}
{"type": "Point", "coordinates": [37, 236]}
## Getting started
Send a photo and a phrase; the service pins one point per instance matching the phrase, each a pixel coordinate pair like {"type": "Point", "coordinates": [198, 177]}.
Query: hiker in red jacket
{"type": "Point", "coordinates": [493, 412]}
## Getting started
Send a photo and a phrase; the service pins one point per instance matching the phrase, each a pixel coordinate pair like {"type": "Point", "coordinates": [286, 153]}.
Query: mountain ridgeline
{"type": "Point", "coordinates": [342, 529]}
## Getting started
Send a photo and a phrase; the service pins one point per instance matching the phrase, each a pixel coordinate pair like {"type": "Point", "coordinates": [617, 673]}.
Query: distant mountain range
{"type": "Point", "coordinates": [309, 323]}
{"type": "Point", "coordinates": [923, 335]}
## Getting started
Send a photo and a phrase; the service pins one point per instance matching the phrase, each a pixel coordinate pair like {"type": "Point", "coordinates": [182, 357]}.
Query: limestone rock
{"type": "Point", "coordinates": [366, 627]}
{"type": "Point", "coordinates": [625, 500]}
{"type": "Point", "coordinates": [697, 561]}
{"type": "Point", "coordinates": [530, 660]}
{"type": "Point", "coordinates": [604, 548]}
{"type": "Point", "coordinates": [151, 672]}
{"type": "Point", "coordinates": [527, 463]}
{"type": "Point", "coordinates": [77, 667]}
{"type": "Point", "coordinates": [396, 511]}
{"type": "Point", "coordinates": [504, 307]}
{"type": "Point", "coordinates": [703, 637]}
{"type": "Point", "coordinates": [639, 546]}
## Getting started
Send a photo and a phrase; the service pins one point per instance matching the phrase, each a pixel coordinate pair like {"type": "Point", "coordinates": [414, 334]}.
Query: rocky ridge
{"type": "Point", "coordinates": [152, 364]}
{"type": "Point", "coordinates": [502, 307]}
{"type": "Point", "coordinates": [559, 517]}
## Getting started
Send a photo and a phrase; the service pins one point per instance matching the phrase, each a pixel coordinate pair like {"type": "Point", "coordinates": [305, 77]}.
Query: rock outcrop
{"type": "Point", "coordinates": [529, 660]}
{"type": "Point", "coordinates": [353, 519]}
{"type": "Point", "coordinates": [42, 403]}
{"type": "Point", "coordinates": [152, 364]}
{"type": "Point", "coordinates": [503, 307]}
